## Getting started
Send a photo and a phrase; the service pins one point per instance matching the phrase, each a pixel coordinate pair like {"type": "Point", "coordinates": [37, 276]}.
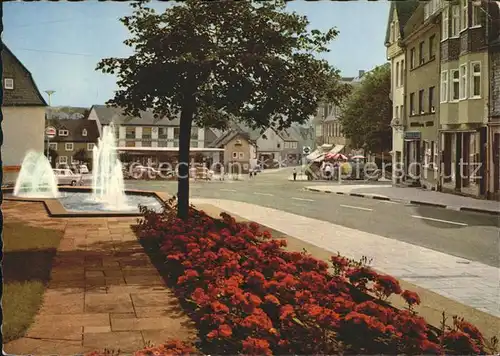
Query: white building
{"type": "Point", "coordinates": [23, 110]}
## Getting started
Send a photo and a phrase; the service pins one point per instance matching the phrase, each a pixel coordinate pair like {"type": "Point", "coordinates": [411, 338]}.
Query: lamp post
{"type": "Point", "coordinates": [49, 93]}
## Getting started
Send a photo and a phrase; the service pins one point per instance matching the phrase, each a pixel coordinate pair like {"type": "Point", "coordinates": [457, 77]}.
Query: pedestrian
{"type": "Point", "coordinates": [294, 174]}
{"type": "Point", "coordinates": [222, 172]}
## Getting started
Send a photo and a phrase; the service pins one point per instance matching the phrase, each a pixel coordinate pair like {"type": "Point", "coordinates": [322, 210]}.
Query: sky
{"type": "Point", "coordinates": [61, 42]}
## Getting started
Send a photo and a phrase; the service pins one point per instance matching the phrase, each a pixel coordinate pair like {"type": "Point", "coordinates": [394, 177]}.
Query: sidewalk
{"type": "Point", "coordinates": [469, 283]}
{"type": "Point", "coordinates": [412, 196]}
{"type": "Point", "coordinates": [103, 293]}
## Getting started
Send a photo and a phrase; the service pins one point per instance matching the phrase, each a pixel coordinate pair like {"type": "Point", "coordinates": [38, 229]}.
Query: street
{"type": "Point", "coordinates": [467, 235]}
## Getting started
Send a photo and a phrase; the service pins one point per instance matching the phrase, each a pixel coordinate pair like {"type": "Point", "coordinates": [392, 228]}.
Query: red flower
{"type": "Point", "coordinates": [253, 346]}
{"type": "Point", "coordinates": [272, 299]}
{"type": "Point", "coordinates": [387, 285]}
{"type": "Point", "coordinates": [258, 320]}
{"type": "Point", "coordinates": [457, 341]}
{"type": "Point", "coordinates": [411, 298]}
{"type": "Point", "coordinates": [218, 307]}
{"type": "Point", "coordinates": [225, 330]}
{"type": "Point", "coordinates": [287, 311]}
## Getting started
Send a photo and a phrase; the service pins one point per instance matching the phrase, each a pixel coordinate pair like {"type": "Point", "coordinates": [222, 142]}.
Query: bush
{"type": "Point", "coordinates": [250, 296]}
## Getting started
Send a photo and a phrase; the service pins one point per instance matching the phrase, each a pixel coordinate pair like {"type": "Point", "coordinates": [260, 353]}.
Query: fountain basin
{"type": "Point", "coordinates": [79, 202]}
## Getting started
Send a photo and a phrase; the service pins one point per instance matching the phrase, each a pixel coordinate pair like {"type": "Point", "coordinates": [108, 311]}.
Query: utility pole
{"type": "Point", "coordinates": [49, 93]}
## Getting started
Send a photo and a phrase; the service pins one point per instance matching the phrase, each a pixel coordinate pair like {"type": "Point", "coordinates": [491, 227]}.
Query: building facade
{"type": "Point", "coordinates": [23, 110]}
{"type": "Point", "coordinates": [399, 14]}
{"type": "Point", "coordinates": [74, 142]}
{"type": "Point", "coordinates": [422, 67]}
{"type": "Point", "coordinates": [144, 131]}
{"type": "Point", "coordinates": [464, 93]}
{"type": "Point", "coordinates": [239, 154]}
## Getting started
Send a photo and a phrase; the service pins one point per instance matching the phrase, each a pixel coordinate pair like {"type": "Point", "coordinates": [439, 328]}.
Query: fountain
{"type": "Point", "coordinates": [36, 178]}
{"type": "Point", "coordinates": [108, 186]}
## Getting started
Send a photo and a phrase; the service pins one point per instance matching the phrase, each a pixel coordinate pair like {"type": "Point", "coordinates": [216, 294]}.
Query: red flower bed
{"type": "Point", "coordinates": [250, 296]}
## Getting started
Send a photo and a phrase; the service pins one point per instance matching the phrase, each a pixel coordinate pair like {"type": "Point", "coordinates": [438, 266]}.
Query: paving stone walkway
{"type": "Point", "coordinates": [467, 282]}
{"type": "Point", "coordinates": [104, 292]}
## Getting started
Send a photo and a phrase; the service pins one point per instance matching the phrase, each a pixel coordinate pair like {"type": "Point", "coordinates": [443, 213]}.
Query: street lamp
{"type": "Point", "coordinates": [49, 93]}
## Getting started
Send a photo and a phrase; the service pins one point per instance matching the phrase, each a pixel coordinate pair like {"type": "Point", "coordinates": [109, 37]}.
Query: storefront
{"type": "Point", "coordinates": [412, 141]}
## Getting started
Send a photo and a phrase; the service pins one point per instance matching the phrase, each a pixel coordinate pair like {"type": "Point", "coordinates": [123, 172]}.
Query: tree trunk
{"type": "Point", "coordinates": [184, 148]}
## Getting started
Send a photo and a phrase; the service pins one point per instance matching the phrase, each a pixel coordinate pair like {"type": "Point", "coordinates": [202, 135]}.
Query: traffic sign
{"type": "Point", "coordinates": [306, 150]}
{"type": "Point", "coordinates": [50, 132]}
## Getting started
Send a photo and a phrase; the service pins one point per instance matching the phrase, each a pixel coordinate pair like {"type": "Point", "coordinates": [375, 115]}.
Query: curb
{"type": "Point", "coordinates": [415, 202]}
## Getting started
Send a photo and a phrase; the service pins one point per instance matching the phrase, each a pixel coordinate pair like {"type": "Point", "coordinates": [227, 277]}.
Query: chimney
{"type": "Point", "coordinates": [361, 73]}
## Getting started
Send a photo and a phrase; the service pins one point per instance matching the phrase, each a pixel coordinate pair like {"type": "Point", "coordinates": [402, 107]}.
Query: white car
{"type": "Point", "coordinates": [67, 177]}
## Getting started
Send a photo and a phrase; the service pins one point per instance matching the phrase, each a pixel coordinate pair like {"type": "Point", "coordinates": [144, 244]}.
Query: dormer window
{"type": "Point", "coordinates": [84, 132]}
{"type": "Point", "coordinates": [63, 132]}
{"type": "Point", "coordinates": [8, 83]}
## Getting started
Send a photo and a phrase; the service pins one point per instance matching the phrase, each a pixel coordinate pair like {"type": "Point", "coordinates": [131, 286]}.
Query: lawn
{"type": "Point", "coordinates": [27, 261]}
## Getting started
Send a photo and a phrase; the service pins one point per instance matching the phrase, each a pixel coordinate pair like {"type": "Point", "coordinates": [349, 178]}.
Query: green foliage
{"type": "Point", "coordinates": [367, 113]}
{"type": "Point", "coordinates": [215, 61]}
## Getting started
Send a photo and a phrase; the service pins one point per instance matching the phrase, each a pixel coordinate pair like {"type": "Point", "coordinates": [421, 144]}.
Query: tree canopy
{"type": "Point", "coordinates": [212, 62]}
{"type": "Point", "coordinates": [367, 112]}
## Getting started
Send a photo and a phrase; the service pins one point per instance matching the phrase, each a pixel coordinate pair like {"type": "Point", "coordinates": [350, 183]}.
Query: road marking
{"type": "Point", "coordinates": [228, 190]}
{"type": "Point", "coordinates": [302, 199]}
{"type": "Point", "coordinates": [266, 194]}
{"type": "Point", "coordinates": [389, 202]}
{"type": "Point", "coordinates": [439, 220]}
{"type": "Point", "coordinates": [356, 207]}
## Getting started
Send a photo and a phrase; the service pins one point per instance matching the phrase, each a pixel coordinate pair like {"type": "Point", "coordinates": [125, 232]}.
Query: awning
{"type": "Point", "coordinates": [321, 158]}
{"type": "Point", "coordinates": [336, 149]}
{"type": "Point", "coordinates": [315, 154]}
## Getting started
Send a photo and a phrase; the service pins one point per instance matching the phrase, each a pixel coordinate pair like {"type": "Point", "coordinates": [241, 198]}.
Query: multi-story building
{"type": "Point", "coordinates": [492, 18]}
{"type": "Point", "coordinates": [422, 69]}
{"type": "Point", "coordinates": [74, 142]}
{"type": "Point", "coordinates": [399, 13]}
{"type": "Point", "coordinates": [327, 126]}
{"type": "Point", "coordinates": [464, 92]}
{"type": "Point", "coordinates": [23, 110]}
{"type": "Point", "coordinates": [149, 140]}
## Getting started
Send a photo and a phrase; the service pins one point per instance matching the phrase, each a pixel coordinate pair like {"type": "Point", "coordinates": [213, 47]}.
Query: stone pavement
{"type": "Point", "coordinates": [467, 282]}
{"type": "Point", "coordinates": [412, 196]}
{"type": "Point", "coordinates": [104, 291]}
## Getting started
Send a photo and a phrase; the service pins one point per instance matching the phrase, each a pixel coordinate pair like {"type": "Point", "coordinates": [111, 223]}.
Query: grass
{"type": "Point", "coordinates": [27, 261]}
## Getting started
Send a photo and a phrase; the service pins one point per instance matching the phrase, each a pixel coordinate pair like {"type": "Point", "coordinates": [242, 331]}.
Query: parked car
{"type": "Point", "coordinates": [67, 177]}
{"type": "Point", "coordinates": [142, 172]}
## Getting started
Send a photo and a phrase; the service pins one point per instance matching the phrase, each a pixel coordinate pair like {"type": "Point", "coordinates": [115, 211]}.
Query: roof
{"type": "Point", "coordinates": [290, 134]}
{"type": "Point", "coordinates": [107, 114]}
{"type": "Point", "coordinates": [25, 92]}
{"type": "Point", "coordinates": [75, 129]}
{"type": "Point", "coordinates": [404, 10]}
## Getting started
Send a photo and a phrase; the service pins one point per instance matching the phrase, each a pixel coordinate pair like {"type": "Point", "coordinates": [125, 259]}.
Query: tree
{"type": "Point", "coordinates": [367, 113]}
{"type": "Point", "coordinates": [53, 157]}
{"type": "Point", "coordinates": [212, 62]}
{"type": "Point", "coordinates": [81, 156]}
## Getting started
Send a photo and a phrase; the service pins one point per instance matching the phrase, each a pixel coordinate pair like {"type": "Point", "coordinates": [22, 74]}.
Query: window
{"type": "Point", "coordinates": [464, 21]}
{"type": "Point", "coordinates": [444, 87]}
{"type": "Point", "coordinates": [397, 75]}
{"type": "Point", "coordinates": [146, 143]}
{"type": "Point", "coordinates": [401, 75]}
{"type": "Point", "coordinates": [177, 132]}
{"type": "Point", "coordinates": [396, 111]}
{"type": "Point", "coordinates": [463, 81]}
{"type": "Point", "coordinates": [90, 146]}
{"type": "Point", "coordinates": [295, 144]}
{"type": "Point", "coordinates": [84, 132]}
{"type": "Point", "coordinates": [69, 146]}
{"type": "Point", "coordinates": [431, 100]}
{"type": "Point", "coordinates": [455, 20]}
{"type": "Point", "coordinates": [130, 132]}
{"type": "Point", "coordinates": [427, 153]}
{"type": "Point", "coordinates": [421, 101]}
{"type": "Point", "coordinates": [63, 159]}
{"type": "Point", "coordinates": [146, 133]}
{"type": "Point", "coordinates": [412, 58]}
{"type": "Point", "coordinates": [241, 155]}
{"type": "Point", "coordinates": [8, 83]}
{"type": "Point", "coordinates": [434, 155]}
{"type": "Point", "coordinates": [432, 41]}
{"type": "Point", "coordinates": [445, 23]}
{"type": "Point", "coordinates": [130, 144]}
{"type": "Point", "coordinates": [194, 133]}
{"type": "Point", "coordinates": [235, 155]}
{"type": "Point", "coordinates": [455, 85]}
{"type": "Point", "coordinates": [162, 132]}
{"type": "Point", "coordinates": [194, 143]}
{"type": "Point", "coordinates": [412, 104]}
{"type": "Point", "coordinates": [421, 58]}
{"type": "Point", "coordinates": [401, 112]}
{"type": "Point", "coordinates": [53, 146]}
{"type": "Point", "coordinates": [476, 16]}
{"type": "Point", "coordinates": [475, 90]}
{"type": "Point", "coordinates": [63, 132]}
